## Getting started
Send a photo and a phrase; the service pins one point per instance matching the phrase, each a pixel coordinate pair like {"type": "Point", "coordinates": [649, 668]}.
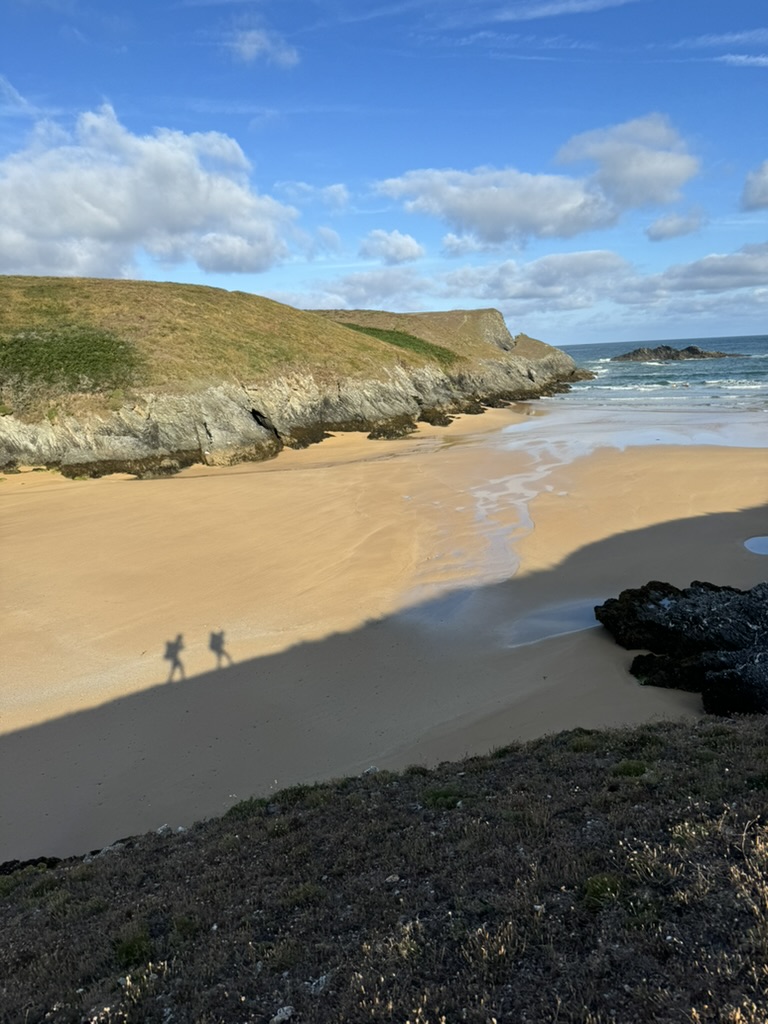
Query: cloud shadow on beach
{"type": "Point", "coordinates": [334, 706]}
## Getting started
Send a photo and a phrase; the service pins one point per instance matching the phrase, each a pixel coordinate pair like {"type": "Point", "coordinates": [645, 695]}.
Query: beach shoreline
{"type": "Point", "coordinates": [381, 603]}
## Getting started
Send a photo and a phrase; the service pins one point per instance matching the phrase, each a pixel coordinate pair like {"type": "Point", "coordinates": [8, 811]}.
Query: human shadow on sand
{"type": "Point", "coordinates": [173, 649]}
{"type": "Point", "coordinates": [217, 645]}
{"type": "Point", "coordinates": [392, 692]}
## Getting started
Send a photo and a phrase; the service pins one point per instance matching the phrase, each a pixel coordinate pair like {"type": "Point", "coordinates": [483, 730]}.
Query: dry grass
{"type": "Point", "coordinates": [544, 883]}
{"type": "Point", "coordinates": [188, 334]}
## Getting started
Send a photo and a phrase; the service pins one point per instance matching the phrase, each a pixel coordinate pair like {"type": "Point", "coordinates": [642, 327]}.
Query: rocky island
{"type": "Point", "coordinates": [102, 376]}
{"type": "Point", "coordinates": [667, 354]}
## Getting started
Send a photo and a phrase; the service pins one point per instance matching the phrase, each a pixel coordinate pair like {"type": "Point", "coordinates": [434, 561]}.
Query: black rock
{"type": "Point", "coordinates": [667, 354]}
{"type": "Point", "coordinates": [707, 639]}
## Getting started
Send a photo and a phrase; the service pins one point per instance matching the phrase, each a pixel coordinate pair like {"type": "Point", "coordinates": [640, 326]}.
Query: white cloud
{"type": "Point", "coordinates": [497, 205]}
{"type": "Point", "coordinates": [719, 272]}
{"type": "Point", "coordinates": [464, 245]}
{"type": "Point", "coordinates": [640, 162]}
{"type": "Point", "coordinates": [674, 225]}
{"type": "Point", "coordinates": [743, 60]}
{"type": "Point", "coordinates": [559, 281]}
{"type": "Point", "coordinates": [12, 103]}
{"type": "Point", "coordinates": [751, 36]}
{"type": "Point", "coordinates": [389, 288]}
{"type": "Point", "coordinates": [390, 247]}
{"type": "Point", "coordinates": [257, 44]}
{"type": "Point", "coordinates": [755, 196]}
{"type": "Point", "coordinates": [328, 239]}
{"type": "Point", "coordinates": [89, 202]}
{"type": "Point", "coordinates": [554, 8]}
{"type": "Point", "coordinates": [335, 196]}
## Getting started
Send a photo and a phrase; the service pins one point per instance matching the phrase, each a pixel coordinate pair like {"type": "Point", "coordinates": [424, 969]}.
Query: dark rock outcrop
{"type": "Point", "coordinates": [705, 638]}
{"type": "Point", "coordinates": [667, 354]}
{"type": "Point", "coordinates": [157, 434]}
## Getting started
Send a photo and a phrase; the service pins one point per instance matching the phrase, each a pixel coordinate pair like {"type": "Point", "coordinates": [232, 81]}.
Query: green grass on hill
{"type": "Point", "coordinates": [401, 339]}
{"type": "Point", "coordinates": [594, 877]}
{"type": "Point", "coordinates": [70, 357]}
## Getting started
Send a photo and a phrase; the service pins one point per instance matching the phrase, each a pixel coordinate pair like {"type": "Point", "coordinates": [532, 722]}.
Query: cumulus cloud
{"type": "Point", "coordinates": [89, 202]}
{"type": "Point", "coordinates": [498, 205]}
{"type": "Point", "coordinates": [390, 247]}
{"type": "Point", "coordinates": [674, 225]}
{"type": "Point", "coordinates": [755, 196]}
{"type": "Point", "coordinates": [719, 272]}
{"type": "Point", "coordinates": [640, 162]}
{"type": "Point", "coordinates": [558, 281]}
{"type": "Point", "coordinates": [464, 245]}
{"type": "Point", "coordinates": [253, 44]}
{"type": "Point", "coordinates": [388, 288]}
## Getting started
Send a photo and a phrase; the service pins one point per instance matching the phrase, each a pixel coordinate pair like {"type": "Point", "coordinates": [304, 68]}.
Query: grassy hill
{"type": "Point", "coordinates": [614, 877]}
{"type": "Point", "coordinates": [62, 336]}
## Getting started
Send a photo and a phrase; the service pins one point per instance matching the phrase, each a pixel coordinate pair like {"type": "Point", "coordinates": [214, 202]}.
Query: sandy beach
{"type": "Point", "coordinates": [358, 603]}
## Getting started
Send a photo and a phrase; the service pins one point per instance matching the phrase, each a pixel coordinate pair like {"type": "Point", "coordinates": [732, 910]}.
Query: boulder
{"type": "Point", "coordinates": [705, 638]}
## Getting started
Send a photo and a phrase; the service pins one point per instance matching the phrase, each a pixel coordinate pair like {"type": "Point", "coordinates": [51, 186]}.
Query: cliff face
{"type": "Point", "coordinates": [158, 433]}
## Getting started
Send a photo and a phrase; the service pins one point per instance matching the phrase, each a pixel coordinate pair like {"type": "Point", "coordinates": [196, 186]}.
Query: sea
{"type": "Point", "coordinates": [709, 402]}
{"type": "Point", "coordinates": [738, 382]}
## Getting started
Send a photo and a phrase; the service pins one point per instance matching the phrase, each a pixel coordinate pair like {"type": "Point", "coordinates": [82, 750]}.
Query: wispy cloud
{"type": "Point", "coordinates": [334, 196]}
{"type": "Point", "coordinates": [516, 40]}
{"type": "Point", "coordinates": [254, 44]}
{"type": "Point", "coordinates": [744, 60]}
{"type": "Point", "coordinates": [529, 11]}
{"type": "Point", "coordinates": [754, 36]}
{"type": "Point", "coordinates": [213, 3]}
{"type": "Point", "coordinates": [12, 103]}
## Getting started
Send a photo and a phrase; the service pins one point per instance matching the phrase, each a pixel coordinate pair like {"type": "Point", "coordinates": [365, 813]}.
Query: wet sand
{"type": "Point", "coordinates": [378, 603]}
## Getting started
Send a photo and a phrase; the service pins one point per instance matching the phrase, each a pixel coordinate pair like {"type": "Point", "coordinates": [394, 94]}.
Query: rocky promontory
{"type": "Point", "coordinates": [667, 354]}
{"type": "Point", "coordinates": [707, 639]}
{"type": "Point", "coordinates": [198, 375]}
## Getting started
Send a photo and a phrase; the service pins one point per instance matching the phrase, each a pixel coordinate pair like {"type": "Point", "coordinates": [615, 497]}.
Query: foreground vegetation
{"type": "Point", "coordinates": [589, 877]}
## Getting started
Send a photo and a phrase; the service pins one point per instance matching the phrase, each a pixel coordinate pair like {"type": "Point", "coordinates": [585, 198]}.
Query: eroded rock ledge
{"type": "Point", "coordinates": [157, 434]}
{"type": "Point", "coordinates": [706, 639]}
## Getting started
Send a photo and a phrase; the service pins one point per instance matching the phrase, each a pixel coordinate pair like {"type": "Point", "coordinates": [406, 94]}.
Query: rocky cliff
{"type": "Point", "coordinates": [159, 430]}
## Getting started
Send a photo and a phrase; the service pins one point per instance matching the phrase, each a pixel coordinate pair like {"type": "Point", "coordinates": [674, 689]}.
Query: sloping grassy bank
{"type": "Point", "coordinates": [61, 336]}
{"type": "Point", "coordinates": [589, 877]}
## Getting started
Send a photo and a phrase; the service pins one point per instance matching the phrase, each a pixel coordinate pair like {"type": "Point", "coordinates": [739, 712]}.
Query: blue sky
{"type": "Point", "coordinates": [596, 169]}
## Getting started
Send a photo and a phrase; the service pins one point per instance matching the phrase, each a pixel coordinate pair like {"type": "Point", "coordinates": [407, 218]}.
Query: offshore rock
{"type": "Point", "coordinates": [705, 638]}
{"type": "Point", "coordinates": [667, 354]}
{"type": "Point", "coordinates": [157, 434]}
